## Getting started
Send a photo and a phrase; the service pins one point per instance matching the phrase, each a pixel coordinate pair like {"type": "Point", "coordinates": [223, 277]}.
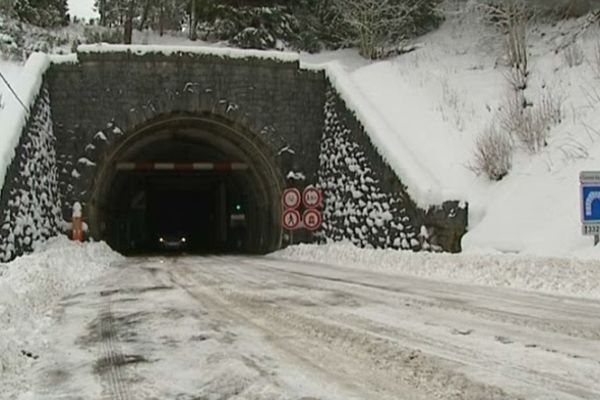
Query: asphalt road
{"type": "Point", "coordinates": [262, 328]}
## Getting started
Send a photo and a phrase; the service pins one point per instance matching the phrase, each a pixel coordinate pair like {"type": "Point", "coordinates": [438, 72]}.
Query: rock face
{"type": "Point", "coordinates": [29, 203]}
{"type": "Point", "coordinates": [365, 202]}
{"type": "Point", "coordinates": [87, 109]}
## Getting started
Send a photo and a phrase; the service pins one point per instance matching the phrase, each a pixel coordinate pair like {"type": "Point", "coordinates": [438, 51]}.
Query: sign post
{"type": "Point", "coordinates": [292, 200]}
{"type": "Point", "coordinates": [590, 203]}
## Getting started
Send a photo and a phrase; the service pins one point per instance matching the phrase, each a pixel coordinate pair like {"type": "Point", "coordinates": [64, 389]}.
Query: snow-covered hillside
{"type": "Point", "coordinates": [441, 97]}
{"type": "Point", "coordinates": [9, 106]}
{"type": "Point", "coordinates": [11, 71]}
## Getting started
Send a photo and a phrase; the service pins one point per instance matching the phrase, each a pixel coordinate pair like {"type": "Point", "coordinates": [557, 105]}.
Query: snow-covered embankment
{"type": "Point", "coordinates": [30, 287]}
{"type": "Point", "coordinates": [567, 277]}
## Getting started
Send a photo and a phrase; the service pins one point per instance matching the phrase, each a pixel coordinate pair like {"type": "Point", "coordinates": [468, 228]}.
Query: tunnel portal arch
{"type": "Point", "coordinates": [189, 138]}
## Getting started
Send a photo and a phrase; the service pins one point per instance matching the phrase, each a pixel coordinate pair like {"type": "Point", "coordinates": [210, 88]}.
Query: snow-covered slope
{"type": "Point", "coordinates": [557, 276]}
{"type": "Point", "coordinates": [26, 83]}
{"type": "Point", "coordinates": [441, 97]}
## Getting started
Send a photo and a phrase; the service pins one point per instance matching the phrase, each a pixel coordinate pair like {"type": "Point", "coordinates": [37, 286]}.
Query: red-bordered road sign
{"type": "Point", "coordinates": [312, 197]}
{"type": "Point", "coordinates": [291, 219]}
{"type": "Point", "coordinates": [312, 219]}
{"type": "Point", "coordinates": [291, 198]}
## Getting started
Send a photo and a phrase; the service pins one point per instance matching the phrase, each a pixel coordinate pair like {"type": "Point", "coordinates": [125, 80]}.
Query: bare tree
{"type": "Point", "coordinates": [193, 21]}
{"type": "Point", "coordinates": [512, 17]}
{"type": "Point", "coordinates": [375, 22]}
{"type": "Point", "coordinates": [493, 154]}
{"type": "Point", "coordinates": [128, 26]}
{"type": "Point", "coordinates": [146, 10]}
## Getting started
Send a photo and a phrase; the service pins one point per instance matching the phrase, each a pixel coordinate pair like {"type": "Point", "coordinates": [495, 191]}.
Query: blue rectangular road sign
{"type": "Point", "coordinates": [590, 207]}
{"type": "Point", "coordinates": [590, 203]}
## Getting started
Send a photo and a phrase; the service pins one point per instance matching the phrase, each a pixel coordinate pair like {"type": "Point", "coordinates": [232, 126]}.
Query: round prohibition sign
{"type": "Point", "coordinates": [291, 198]}
{"type": "Point", "coordinates": [312, 197]}
{"type": "Point", "coordinates": [291, 219]}
{"type": "Point", "coordinates": [312, 219]}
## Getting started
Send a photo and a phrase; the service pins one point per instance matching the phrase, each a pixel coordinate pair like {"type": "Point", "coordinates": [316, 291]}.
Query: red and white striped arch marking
{"type": "Point", "coordinates": [197, 166]}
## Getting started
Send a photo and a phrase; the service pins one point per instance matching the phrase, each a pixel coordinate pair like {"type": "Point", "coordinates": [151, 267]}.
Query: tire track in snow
{"type": "Point", "coordinates": [109, 366]}
{"type": "Point", "coordinates": [386, 366]}
{"type": "Point", "coordinates": [525, 377]}
{"type": "Point", "coordinates": [186, 279]}
{"type": "Point", "coordinates": [538, 315]}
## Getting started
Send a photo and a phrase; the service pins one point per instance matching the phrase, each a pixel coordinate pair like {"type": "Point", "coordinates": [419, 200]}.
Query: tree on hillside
{"type": "Point", "coordinates": [112, 12]}
{"type": "Point", "coordinates": [159, 15]}
{"type": "Point", "coordinates": [374, 24]}
{"type": "Point", "coordinates": [128, 25]}
{"type": "Point", "coordinates": [194, 17]}
{"type": "Point", "coordinates": [46, 13]}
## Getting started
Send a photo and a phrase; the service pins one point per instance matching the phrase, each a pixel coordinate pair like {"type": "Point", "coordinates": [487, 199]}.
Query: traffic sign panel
{"type": "Point", "coordinates": [312, 219]}
{"type": "Point", "coordinates": [291, 198]}
{"type": "Point", "coordinates": [291, 219]}
{"type": "Point", "coordinates": [312, 197]}
{"type": "Point", "coordinates": [590, 203]}
{"type": "Point", "coordinates": [590, 196]}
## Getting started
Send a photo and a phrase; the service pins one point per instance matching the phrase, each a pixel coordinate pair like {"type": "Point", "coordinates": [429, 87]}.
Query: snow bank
{"type": "Point", "coordinates": [224, 52]}
{"type": "Point", "coordinates": [14, 116]}
{"type": "Point", "coordinates": [569, 277]}
{"type": "Point", "coordinates": [31, 285]}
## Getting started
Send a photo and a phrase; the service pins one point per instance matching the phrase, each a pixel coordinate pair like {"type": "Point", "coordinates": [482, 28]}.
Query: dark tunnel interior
{"type": "Point", "coordinates": [178, 191]}
{"type": "Point", "coordinates": [207, 210]}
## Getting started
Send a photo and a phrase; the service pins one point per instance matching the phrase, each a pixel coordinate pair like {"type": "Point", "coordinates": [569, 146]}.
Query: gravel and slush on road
{"type": "Point", "coordinates": [229, 327]}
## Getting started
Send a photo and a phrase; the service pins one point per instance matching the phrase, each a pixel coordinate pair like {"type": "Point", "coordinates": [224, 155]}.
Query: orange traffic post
{"type": "Point", "coordinates": [77, 224]}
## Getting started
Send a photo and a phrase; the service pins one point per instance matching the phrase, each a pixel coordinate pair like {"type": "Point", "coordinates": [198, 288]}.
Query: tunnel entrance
{"type": "Point", "coordinates": [189, 183]}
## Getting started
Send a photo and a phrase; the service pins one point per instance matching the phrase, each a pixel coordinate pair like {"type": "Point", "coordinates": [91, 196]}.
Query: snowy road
{"type": "Point", "coordinates": [263, 328]}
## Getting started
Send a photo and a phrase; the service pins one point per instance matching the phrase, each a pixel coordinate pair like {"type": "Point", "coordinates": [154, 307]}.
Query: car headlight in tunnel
{"type": "Point", "coordinates": [161, 240]}
{"type": "Point", "coordinates": [183, 240]}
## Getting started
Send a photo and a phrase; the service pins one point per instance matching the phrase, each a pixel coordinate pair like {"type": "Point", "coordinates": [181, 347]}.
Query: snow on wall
{"type": "Point", "coordinates": [223, 52]}
{"type": "Point", "coordinates": [421, 185]}
{"type": "Point", "coordinates": [15, 116]}
{"type": "Point", "coordinates": [357, 208]}
{"type": "Point", "coordinates": [77, 170]}
{"type": "Point", "coordinates": [29, 201]}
